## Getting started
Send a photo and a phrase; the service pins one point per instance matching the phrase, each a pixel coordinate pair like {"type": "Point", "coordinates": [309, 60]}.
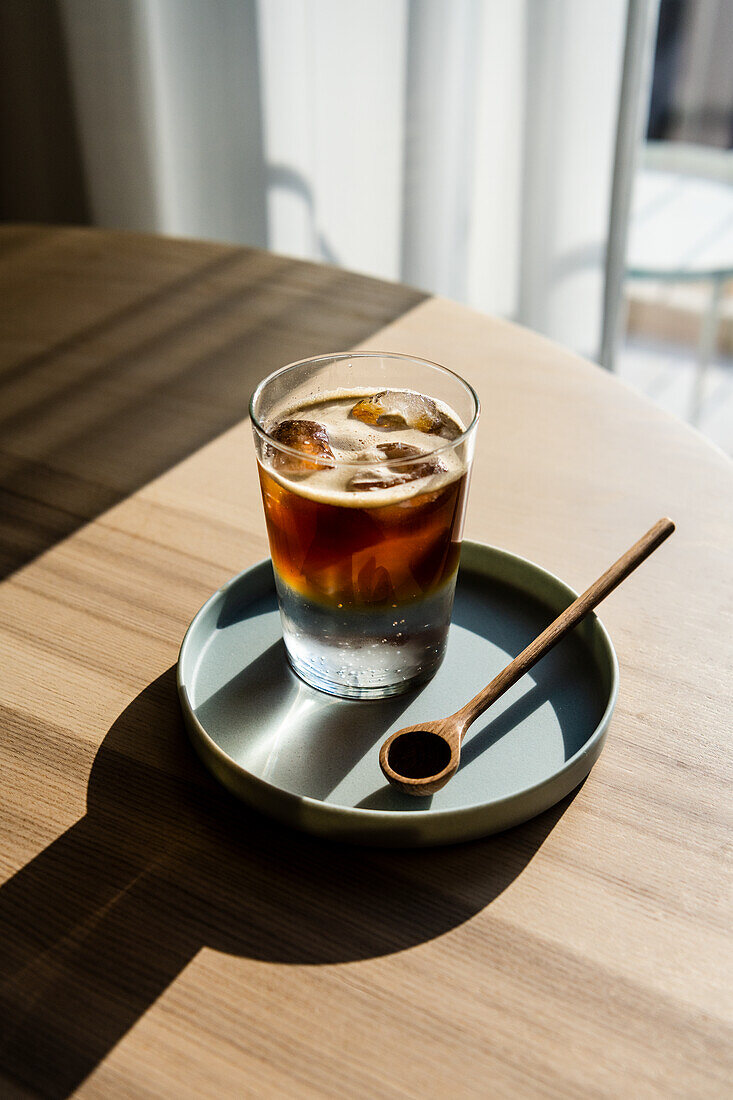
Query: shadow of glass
{"type": "Point", "coordinates": [164, 862]}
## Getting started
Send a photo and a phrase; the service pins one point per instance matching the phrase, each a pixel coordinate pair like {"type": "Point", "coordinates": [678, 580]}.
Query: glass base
{"type": "Point", "coordinates": [365, 654]}
{"type": "Point", "coordinates": [362, 685]}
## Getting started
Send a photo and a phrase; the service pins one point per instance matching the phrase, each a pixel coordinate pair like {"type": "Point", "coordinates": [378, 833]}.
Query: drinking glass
{"type": "Point", "coordinates": [365, 576]}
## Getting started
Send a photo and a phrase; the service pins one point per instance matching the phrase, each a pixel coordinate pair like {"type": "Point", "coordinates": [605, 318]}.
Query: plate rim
{"type": "Point", "coordinates": [471, 549]}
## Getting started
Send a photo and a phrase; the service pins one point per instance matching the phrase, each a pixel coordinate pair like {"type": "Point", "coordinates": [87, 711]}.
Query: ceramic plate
{"type": "Point", "coordinates": [311, 760]}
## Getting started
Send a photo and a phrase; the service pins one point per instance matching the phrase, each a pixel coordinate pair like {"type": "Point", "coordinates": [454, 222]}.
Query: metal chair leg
{"type": "Point", "coordinates": [705, 350]}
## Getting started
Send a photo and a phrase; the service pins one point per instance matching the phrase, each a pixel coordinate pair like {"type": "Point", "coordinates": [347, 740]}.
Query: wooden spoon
{"type": "Point", "coordinates": [421, 759]}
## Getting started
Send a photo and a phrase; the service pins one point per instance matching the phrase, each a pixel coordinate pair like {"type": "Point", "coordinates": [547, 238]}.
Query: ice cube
{"type": "Point", "coordinates": [385, 478]}
{"type": "Point", "coordinates": [366, 480]}
{"type": "Point", "coordinates": [399, 450]}
{"type": "Point", "coordinates": [425, 464]}
{"type": "Point", "coordinates": [394, 409]}
{"type": "Point", "coordinates": [307, 436]}
{"type": "Point", "coordinates": [374, 584]}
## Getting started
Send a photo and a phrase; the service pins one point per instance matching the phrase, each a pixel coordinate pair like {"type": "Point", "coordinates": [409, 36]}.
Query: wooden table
{"type": "Point", "coordinates": [157, 939]}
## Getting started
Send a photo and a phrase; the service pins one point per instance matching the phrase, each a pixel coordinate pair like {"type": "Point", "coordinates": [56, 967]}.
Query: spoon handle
{"type": "Point", "coordinates": [565, 622]}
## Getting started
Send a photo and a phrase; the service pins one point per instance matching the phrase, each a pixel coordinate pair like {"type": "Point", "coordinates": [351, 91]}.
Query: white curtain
{"type": "Point", "coordinates": [463, 146]}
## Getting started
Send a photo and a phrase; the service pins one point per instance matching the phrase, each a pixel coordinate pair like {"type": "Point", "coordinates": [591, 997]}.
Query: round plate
{"type": "Point", "coordinates": [311, 760]}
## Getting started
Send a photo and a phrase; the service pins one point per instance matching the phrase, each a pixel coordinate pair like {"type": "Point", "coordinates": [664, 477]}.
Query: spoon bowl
{"type": "Point", "coordinates": [421, 759]}
{"type": "Point", "coordinates": [413, 753]}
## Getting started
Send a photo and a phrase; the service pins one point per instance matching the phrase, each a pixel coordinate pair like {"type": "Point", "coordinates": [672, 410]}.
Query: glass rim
{"type": "Point", "coordinates": [334, 357]}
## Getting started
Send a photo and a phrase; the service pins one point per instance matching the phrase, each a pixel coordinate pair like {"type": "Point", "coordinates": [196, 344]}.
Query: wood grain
{"type": "Point", "coordinates": [112, 370]}
{"type": "Point", "coordinates": [158, 940]}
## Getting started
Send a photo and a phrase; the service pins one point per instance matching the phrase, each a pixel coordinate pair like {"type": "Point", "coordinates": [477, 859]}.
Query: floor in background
{"type": "Point", "coordinates": [666, 374]}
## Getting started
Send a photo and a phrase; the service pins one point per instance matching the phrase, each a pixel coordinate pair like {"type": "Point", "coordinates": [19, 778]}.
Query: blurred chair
{"type": "Point", "coordinates": [681, 230]}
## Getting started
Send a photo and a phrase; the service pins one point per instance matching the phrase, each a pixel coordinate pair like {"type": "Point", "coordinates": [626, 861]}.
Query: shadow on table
{"type": "Point", "coordinates": [100, 411]}
{"type": "Point", "coordinates": [164, 862]}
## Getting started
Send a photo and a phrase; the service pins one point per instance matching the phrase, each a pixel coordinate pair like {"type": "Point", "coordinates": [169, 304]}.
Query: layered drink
{"type": "Point", "coordinates": [364, 492]}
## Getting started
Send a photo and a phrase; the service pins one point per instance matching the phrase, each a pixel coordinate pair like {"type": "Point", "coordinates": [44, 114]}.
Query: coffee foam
{"type": "Point", "coordinates": [354, 443]}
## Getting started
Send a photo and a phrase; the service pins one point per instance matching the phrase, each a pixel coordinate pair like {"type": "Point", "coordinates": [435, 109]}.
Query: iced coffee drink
{"type": "Point", "coordinates": [364, 490]}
